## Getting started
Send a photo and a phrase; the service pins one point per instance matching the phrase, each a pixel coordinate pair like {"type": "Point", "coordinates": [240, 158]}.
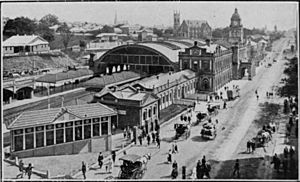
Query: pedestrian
{"type": "Point", "coordinates": [29, 170]}
{"type": "Point", "coordinates": [276, 162]}
{"type": "Point", "coordinates": [148, 139]}
{"type": "Point", "coordinates": [113, 156]}
{"type": "Point", "coordinates": [174, 173]}
{"type": "Point", "coordinates": [217, 121]}
{"type": "Point", "coordinates": [140, 139]}
{"type": "Point", "coordinates": [224, 106]}
{"type": "Point", "coordinates": [173, 148]}
{"type": "Point", "coordinates": [236, 168]}
{"type": "Point", "coordinates": [153, 136]}
{"type": "Point", "coordinates": [207, 169]}
{"type": "Point", "coordinates": [198, 170]}
{"type": "Point", "coordinates": [124, 133]}
{"type": "Point", "coordinates": [248, 146]}
{"type": "Point", "coordinates": [109, 166]}
{"type": "Point", "coordinates": [292, 152]}
{"type": "Point", "coordinates": [257, 96]}
{"type": "Point", "coordinates": [253, 145]}
{"type": "Point", "coordinates": [175, 165]}
{"type": "Point", "coordinates": [100, 160]}
{"type": "Point", "coordinates": [267, 93]}
{"type": "Point", "coordinates": [21, 169]}
{"type": "Point", "coordinates": [285, 152]}
{"type": "Point", "coordinates": [256, 92]}
{"type": "Point", "coordinates": [83, 169]}
{"type": "Point", "coordinates": [158, 142]}
{"type": "Point", "coordinates": [203, 160]}
{"type": "Point", "coordinates": [189, 120]}
{"type": "Point", "coordinates": [169, 157]}
{"type": "Point", "coordinates": [176, 148]}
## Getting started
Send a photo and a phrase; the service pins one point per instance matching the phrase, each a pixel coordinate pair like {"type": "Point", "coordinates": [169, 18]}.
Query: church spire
{"type": "Point", "coordinates": [115, 21]}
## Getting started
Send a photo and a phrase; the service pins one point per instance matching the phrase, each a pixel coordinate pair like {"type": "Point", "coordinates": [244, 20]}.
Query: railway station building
{"type": "Point", "coordinates": [61, 131]}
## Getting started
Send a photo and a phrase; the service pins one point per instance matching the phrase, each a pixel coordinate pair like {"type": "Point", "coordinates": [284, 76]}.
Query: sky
{"type": "Point", "coordinates": [218, 14]}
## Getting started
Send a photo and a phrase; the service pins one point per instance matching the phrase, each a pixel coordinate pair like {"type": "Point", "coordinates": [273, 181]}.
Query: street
{"type": "Point", "coordinates": [234, 123]}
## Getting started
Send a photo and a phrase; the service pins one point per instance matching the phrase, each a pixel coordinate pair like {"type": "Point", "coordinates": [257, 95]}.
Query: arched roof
{"type": "Point", "coordinates": [169, 49]}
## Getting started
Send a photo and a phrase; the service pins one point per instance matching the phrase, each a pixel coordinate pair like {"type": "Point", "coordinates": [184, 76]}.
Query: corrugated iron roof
{"type": "Point", "coordinates": [49, 116]}
{"type": "Point", "coordinates": [23, 40]}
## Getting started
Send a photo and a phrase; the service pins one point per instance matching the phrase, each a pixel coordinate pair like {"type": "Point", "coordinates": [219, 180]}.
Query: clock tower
{"type": "Point", "coordinates": [236, 32]}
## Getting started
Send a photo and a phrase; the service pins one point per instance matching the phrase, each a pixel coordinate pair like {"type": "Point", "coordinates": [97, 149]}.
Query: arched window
{"type": "Point", "coordinates": [205, 84]}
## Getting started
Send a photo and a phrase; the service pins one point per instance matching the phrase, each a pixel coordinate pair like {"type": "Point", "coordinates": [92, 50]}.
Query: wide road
{"type": "Point", "coordinates": [233, 125]}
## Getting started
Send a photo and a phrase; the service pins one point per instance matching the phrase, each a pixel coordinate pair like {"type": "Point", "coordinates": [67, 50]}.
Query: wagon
{"type": "Point", "coordinates": [208, 131]}
{"type": "Point", "coordinates": [133, 167]}
{"type": "Point", "coordinates": [182, 129]}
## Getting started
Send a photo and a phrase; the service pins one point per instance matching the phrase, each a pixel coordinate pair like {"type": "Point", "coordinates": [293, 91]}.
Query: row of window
{"type": "Point", "coordinates": [59, 133]}
{"type": "Point", "coordinates": [148, 112]}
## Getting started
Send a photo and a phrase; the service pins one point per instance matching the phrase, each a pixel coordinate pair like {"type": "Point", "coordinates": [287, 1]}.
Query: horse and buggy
{"type": "Point", "coordinates": [182, 129]}
{"type": "Point", "coordinates": [134, 166]}
{"type": "Point", "coordinates": [263, 136]}
{"type": "Point", "coordinates": [208, 130]}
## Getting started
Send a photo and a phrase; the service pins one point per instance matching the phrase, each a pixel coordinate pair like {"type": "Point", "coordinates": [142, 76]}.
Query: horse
{"type": "Point", "coordinates": [266, 137]}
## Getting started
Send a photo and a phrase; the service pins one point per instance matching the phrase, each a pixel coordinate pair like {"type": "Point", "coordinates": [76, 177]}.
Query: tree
{"type": "Point", "coordinates": [107, 29]}
{"type": "Point", "coordinates": [65, 33]}
{"type": "Point", "coordinates": [19, 25]}
{"type": "Point", "coordinates": [50, 20]}
{"type": "Point", "coordinates": [169, 31]}
{"type": "Point", "coordinates": [44, 31]}
{"type": "Point", "coordinates": [291, 85]}
{"type": "Point", "coordinates": [158, 32]}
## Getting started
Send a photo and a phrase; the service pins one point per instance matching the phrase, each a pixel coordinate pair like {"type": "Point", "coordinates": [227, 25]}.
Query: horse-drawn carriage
{"type": "Point", "coordinates": [262, 138]}
{"type": "Point", "coordinates": [208, 131]}
{"type": "Point", "coordinates": [182, 129]}
{"type": "Point", "coordinates": [134, 166]}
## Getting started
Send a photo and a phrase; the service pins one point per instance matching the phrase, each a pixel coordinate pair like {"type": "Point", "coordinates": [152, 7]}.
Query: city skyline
{"type": "Point", "coordinates": [217, 14]}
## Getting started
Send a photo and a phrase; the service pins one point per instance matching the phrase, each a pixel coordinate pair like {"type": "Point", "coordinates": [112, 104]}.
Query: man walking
{"type": "Point", "coordinates": [100, 160]}
{"type": "Point", "coordinates": [29, 170]}
{"type": "Point", "coordinates": [113, 156]}
{"type": "Point", "coordinates": [276, 162]}
{"type": "Point", "coordinates": [248, 146]}
{"type": "Point", "coordinates": [21, 169]}
{"type": "Point", "coordinates": [148, 139]}
{"type": "Point", "coordinates": [176, 148]}
{"type": "Point", "coordinates": [83, 169]}
{"type": "Point", "coordinates": [236, 168]}
{"type": "Point", "coordinates": [158, 142]}
{"type": "Point", "coordinates": [198, 170]}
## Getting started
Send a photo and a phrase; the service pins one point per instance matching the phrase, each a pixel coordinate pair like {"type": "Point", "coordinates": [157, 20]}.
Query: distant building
{"type": "Point", "coordinates": [62, 131]}
{"type": "Point", "coordinates": [135, 108]}
{"type": "Point", "coordinates": [25, 43]}
{"type": "Point", "coordinates": [146, 35]}
{"type": "Point", "coordinates": [130, 29]}
{"type": "Point", "coordinates": [199, 29]}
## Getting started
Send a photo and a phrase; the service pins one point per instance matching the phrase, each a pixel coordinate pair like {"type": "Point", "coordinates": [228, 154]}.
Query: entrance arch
{"type": "Point", "coordinates": [24, 93]}
{"type": "Point", "coordinates": [205, 84]}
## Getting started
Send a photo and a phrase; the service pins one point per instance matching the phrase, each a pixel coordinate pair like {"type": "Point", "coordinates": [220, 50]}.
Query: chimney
{"type": "Point", "coordinates": [207, 42]}
{"type": "Point", "coordinates": [195, 43]}
{"type": "Point", "coordinates": [62, 101]}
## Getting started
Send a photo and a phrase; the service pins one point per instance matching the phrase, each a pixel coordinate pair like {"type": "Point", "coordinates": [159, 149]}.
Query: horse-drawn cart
{"type": "Point", "coordinates": [208, 131]}
{"type": "Point", "coordinates": [134, 166]}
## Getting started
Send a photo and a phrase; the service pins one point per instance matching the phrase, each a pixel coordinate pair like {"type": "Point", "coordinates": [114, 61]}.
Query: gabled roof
{"type": "Point", "coordinates": [23, 40]}
{"type": "Point", "coordinates": [49, 116]}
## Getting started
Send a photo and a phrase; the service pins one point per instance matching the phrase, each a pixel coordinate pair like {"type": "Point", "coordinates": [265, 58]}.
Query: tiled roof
{"type": "Point", "coordinates": [53, 78]}
{"type": "Point", "coordinates": [195, 23]}
{"type": "Point", "coordinates": [100, 82]}
{"type": "Point", "coordinates": [48, 116]}
{"type": "Point", "coordinates": [23, 40]}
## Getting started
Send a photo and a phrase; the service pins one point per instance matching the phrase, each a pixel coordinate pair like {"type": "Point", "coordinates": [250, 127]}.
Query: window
{"type": "Point", "coordinates": [59, 133]}
{"type": "Point", "coordinates": [149, 112]}
{"type": "Point", "coordinates": [69, 131]}
{"type": "Point", "coordinates": [87, 128]}
{"type": "Point", "coordinates": [96, 127]}
{"type": "Point", "coordinates": [29, 138]}
{"type": "Point", "coordinates": [145, 115]}
{"type": "Point", "coordinates": [163, 99]}
{"type": "Point", "coordinates": [78, 130]}
{"type": "Point", "coordinates": [104, 128]}
{"type": "Point", "coordinates": [49, 135]}
{"type": "Point", "coordinates": [18, 139]}
{"type": "Point", "coordinates": [154, 110]}
{"type": "Point", "coordinates": [39, 136]}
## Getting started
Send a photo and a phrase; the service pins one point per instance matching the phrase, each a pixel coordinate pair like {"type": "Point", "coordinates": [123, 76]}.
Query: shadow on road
{"type": "Point", "coordinates": [166, 177]}
{"type": "Point", "coordinates": [168, 139]}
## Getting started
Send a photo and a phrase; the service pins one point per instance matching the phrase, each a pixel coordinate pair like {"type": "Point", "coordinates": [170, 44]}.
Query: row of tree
{"type": "Point", "coordinates": [291, 83]}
